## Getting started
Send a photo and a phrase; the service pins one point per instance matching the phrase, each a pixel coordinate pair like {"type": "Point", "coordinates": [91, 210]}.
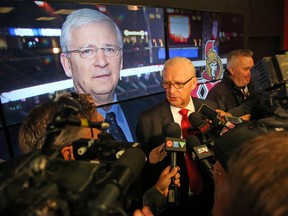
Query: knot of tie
{"type": "Point", "coordinates": [115, 129]}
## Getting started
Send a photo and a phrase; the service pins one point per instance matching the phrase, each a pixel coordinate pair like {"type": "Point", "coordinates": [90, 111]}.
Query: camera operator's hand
{"type": "Point", "coordinates": [145, 211]}
{"type": "Point", "coordinates": [222, 114]}
{"type": "Point", "coordinates": [246, 117]}
{"type": "Point", "coordinates": [162, 185]}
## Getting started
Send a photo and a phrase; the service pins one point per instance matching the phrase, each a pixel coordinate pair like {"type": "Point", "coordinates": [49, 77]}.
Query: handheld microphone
{"type": "Point", "coordinates": [199, 128]}
{"type": "Point", "coordinates": [201, 153]}
{"type": "Point", "coordinates": [219, 127]}
{"type": "Point", "coordinates": [174, 144]}
{"type": "Point", "coordinates": [122, 174]}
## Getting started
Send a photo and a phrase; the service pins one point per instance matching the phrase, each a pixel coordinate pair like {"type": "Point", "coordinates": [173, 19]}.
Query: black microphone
{"type": "Point", "coordinates": [199, 127]}
{"type": "Point", "coordinates": [86, 123]}
{"type": "Point", "coordinates": [219, 127]}
{"type": "Point", "coordinates": [201, 152]}
{"type": "Point", "coordinates": [122, 174]}
{"type": "Point", "coordinates": [70, 108]}
{"type": "Point", "coordinates": [173, 144]}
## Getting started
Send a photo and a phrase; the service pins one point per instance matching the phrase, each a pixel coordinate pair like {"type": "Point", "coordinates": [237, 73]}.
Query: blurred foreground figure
{"type": "Point", "coordinates": [251, 177]}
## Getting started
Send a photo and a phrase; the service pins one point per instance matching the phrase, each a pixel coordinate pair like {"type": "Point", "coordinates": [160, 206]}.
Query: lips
{"type": "Point", "coordinates": [102, 76]}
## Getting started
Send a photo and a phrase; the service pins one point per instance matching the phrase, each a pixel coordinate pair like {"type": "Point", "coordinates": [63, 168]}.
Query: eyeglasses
{"type": "Point", "coordinates": [91, 52]}
{"type": "Point", "coordinates": [177, 85]}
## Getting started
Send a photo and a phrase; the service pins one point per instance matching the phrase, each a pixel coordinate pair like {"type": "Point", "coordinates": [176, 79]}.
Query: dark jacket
{"type": "Point", "coordinates": [150, 134]}
{"type": "Point", "coordinates": [226, 94]}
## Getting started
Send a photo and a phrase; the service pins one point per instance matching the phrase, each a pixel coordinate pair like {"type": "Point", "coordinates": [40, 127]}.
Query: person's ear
{"type": "Point", "coordinates": [66, 64]}
{"type": "Point", "coordinates": [231, 71]}
{"type": "Point", "coordinates": [194, 82]}
{"type": "Point", "coordinates": [67, 153]}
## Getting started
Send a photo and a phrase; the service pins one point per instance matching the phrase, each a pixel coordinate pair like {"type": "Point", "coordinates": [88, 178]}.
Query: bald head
{"type": "Point", "coordinates": [179, 79]}
{"type": "Point", "coordinates": [181, 62]}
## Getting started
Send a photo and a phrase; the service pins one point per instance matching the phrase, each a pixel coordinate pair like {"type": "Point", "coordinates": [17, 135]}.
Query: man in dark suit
{"type": "Point", "coordinates": [179, 79]}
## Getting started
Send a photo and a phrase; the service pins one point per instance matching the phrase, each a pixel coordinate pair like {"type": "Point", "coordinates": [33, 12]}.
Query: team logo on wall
{"type": "Point", "coordinates": [214, 66]}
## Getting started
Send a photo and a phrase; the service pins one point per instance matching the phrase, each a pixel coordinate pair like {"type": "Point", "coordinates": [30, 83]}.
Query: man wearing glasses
{"type": "Point", "coordinates": [92, 56]}
{"type": "Point", "coordinates": [179, 79]}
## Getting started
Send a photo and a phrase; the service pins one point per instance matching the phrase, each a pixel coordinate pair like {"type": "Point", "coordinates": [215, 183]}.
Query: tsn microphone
{"type": "Point", "coordinates": [174, 144]}
{"type": "Point", "coordinates": [199, 128]}
{"type": "Point", "coordinates": [201, 153]}
{"type": "Point", "coordinates": [219, 127]}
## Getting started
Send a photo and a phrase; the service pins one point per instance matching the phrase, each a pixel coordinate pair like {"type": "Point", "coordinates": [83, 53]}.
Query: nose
{"type": "Point", "coordinates": [171, 89]}
{"type": "Point", "coordinates": [101, 59]}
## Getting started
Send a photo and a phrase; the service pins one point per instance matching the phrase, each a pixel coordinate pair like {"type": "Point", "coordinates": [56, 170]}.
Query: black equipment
{"type": "Point", "coordinates": [174, 144]}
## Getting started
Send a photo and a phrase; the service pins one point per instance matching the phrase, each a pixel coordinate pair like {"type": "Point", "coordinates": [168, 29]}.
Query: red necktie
{"type": "Point", "coordinates": [195, 177]}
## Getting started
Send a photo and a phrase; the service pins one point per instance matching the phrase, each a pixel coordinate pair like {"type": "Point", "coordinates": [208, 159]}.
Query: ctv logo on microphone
{"type": "Point", "coordinates": [175, 144]}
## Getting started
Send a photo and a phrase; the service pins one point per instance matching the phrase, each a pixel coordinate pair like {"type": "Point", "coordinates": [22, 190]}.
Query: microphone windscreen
{"type": "Point", "coordinates": [172, 129]}
{"type": "Point", "coordinates": [195, 119]}
{"type": "Point", "coordinates": [192, 141]}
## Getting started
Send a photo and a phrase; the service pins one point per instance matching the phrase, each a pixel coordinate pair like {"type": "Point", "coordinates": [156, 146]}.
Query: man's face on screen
{"type": "Point", "coordinates": [99, 75]}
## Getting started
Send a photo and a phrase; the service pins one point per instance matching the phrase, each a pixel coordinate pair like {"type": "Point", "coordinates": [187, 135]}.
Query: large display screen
{"type": "Point", "coordinates": [31, 72]}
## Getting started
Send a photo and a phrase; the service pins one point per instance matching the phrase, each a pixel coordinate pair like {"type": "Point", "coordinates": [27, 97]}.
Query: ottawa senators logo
{"type": "Point", "coordinates": [214, 66]}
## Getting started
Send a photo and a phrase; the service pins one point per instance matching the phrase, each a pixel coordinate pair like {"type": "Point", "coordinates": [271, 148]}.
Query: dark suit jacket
{"type": "Point", "coordinates": [150, 134]}
{"type": "Point", "coordinates": [132, 108]}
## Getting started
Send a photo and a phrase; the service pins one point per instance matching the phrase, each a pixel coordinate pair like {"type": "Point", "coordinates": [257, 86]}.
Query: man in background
{"type": "Point", "coordinates": [235, 86]}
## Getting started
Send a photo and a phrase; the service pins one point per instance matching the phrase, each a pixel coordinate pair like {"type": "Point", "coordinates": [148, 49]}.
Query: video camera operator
{"type": "Point", "coordinates": [33, 136]}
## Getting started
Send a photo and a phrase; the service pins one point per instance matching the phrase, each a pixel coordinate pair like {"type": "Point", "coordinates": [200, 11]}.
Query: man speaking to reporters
{"type": "Point", "coordinates": [179, 79]}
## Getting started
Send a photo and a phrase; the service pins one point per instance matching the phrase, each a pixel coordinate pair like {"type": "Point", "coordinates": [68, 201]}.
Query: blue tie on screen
{"type": "Point", "coordinates": [115, 129]}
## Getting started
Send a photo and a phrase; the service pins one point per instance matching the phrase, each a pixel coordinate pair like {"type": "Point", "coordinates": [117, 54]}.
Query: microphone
{"type": "Point", "coordinates": [201, 153]}
{"type": "Point", "coordinates": [86, 123]}
{"type": "Point", "coordinates": [173, 144]}
{"type": "Point", "coordinates": [218, 126]}
{"type": "Point", "coordinates": [122, 174]}
{"type": "Point", "coordinates": [199, 128]}
{"type": "Point", "coordinates": [71, 108]}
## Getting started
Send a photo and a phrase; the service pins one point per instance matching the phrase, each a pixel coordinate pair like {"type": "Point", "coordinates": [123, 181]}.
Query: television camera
{"type": "Point", "coordinates": [96, 183]}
